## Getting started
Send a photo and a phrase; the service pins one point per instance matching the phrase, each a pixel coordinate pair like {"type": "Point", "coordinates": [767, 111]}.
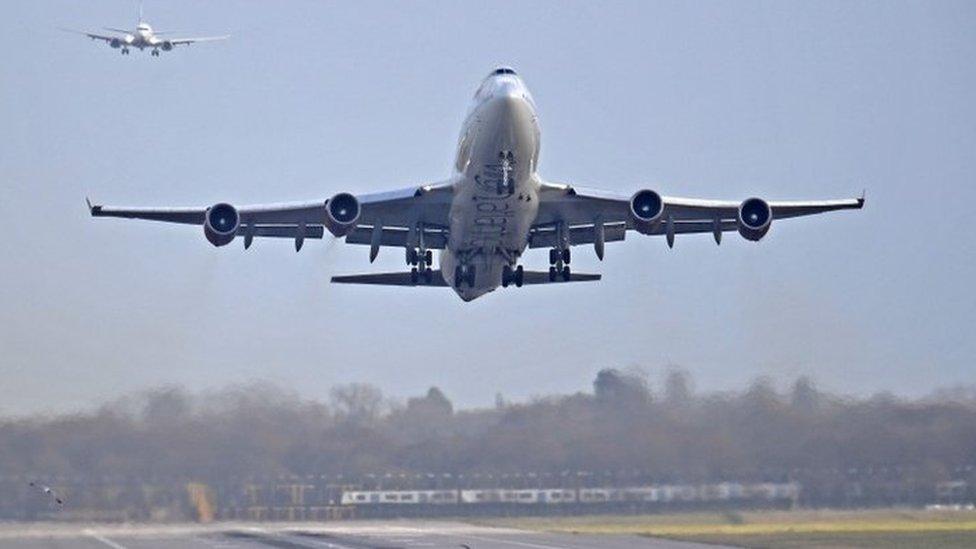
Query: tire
{"type": "Point", "coordinates": [413, 275]}
{"type": "Point", "coordinates": [519, 276]}
{"type": "Point", "coordinates": [429, 277]}
{"type": "Point", "coordinates": [566, 255]}
{"type": "Point", "coordinates": [506, 276]}
{"type": "Point", "coordinates": [566, 273]}
{"type": "Point", "coordinates": [552, 274]}
{"type": "Point", "coordinates": [552, 256]}
{"type": "Point", "coordinates": [428, 257]}
{"type": "Point", "coordinates": [457, 277]}
{"type": "Point", "coordinates": [470, 276]}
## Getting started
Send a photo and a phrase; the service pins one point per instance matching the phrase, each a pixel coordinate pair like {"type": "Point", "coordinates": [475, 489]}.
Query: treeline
{"type": "Point", "coordinates": [672, 434]}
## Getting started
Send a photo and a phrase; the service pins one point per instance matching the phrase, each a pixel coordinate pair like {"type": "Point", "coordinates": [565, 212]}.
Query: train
{"type": "Point", "coordinates": [681, 493]}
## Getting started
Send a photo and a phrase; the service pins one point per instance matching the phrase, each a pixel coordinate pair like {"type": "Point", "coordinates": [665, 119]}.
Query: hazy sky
{"type": "Point", "coordinates": [717, 99]}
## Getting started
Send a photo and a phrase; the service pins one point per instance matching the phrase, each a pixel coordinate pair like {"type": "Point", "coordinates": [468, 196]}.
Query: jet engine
{"type": "Point", "coordinates": [754, 218]}
{"type": "Point", "coordinates": [342, 212]}
{"type": "Point", "coordinates": [115, 43]}
{"type": "Point", "coordinates": [646, 209]}
{"type": "Point", "coordinates": [166, 45]}
{"type": "Point", "coordinates": [220, 224]}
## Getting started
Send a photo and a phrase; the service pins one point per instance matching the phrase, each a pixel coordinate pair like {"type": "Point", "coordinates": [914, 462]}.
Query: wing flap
{"type": "Point", "coordinates": [281, 231]}
{"type": "Point", "coordinates": [397, 237]}
{"type": "Point", "coordinates": [545, 237]}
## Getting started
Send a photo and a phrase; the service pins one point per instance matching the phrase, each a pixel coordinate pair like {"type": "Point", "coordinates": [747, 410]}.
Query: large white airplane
{"type": "Point", "coordinates": [488, 212]}
{"type": "Point", "coordinates": [144, 37]}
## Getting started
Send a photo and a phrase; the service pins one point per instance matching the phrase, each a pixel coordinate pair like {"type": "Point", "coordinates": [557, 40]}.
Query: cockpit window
{"type": "Point", "coordinates": [503, 70]}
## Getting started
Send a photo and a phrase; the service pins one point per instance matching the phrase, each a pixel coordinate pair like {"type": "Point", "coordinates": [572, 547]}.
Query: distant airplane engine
{"type": "Point", "coordinates": [342, 213]}
{"type": "Point", "coordinates": [115, 43]}
{"type": "Point", "coordinates": [646, 209]}
{"type": "Point", "coordinates": [166, 45]}
{"type": "Point", "coordinates": [221, 223]}
{"type": "Point", "coordinates": [754, 217]}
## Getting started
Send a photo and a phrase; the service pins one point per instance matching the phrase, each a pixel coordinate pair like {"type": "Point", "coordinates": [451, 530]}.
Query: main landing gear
{"type": "Point", "coordinates": [420, 273]}
{"type": "Point", "coordinates": [155, 53]}
{"type": "Point", "coordinates": [124, 51]}
{"type": "Point", "coordinates": [559, 264]}
{"type": "Point", "coordinates": [512, 276]}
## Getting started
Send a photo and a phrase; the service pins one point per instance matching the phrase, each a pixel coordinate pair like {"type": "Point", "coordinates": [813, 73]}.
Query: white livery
{"type": "Point", "coordinates": [493, 207]}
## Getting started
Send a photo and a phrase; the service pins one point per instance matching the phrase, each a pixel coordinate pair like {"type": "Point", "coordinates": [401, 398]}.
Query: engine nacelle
{"type": "Point", "coordinates": [115, 43]}
{"type": "Point", "coordinates": [342, 212]}
{"type": "Point", "coordinates": [166, 45]}
{"type": "Point", "coordinates": [646, 209]}
{"type": "Point", "coordinates": [220, 224]}
{"type": "Point", "coordinates": [754, 218]}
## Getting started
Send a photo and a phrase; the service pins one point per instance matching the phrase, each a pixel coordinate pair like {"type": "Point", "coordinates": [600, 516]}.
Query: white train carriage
{"type": "Point", "coordinates": [399, 497]}
{"type": "Point", "coordinates": [554, 496]}
{"type": "Point", "coordinates": [501, 496]}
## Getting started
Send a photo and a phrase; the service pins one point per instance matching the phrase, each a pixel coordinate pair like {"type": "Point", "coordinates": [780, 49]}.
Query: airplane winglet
{"type": "Point", "coordinates": [93, 209]}
{"type": "Point", "coordinates": [860, 201]}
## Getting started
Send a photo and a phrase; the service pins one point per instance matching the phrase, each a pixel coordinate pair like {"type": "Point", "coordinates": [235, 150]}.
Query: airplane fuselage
{"type": "Point", "coordinates": [496, 187]}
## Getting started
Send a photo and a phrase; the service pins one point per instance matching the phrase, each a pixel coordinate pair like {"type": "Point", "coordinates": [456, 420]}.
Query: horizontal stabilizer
{"type": "Point", "coordinates": [405, 279]}
{"type": "Point", "coordinates": [542, 277]}
{"type": "Point", "coordinates": [391, 279]}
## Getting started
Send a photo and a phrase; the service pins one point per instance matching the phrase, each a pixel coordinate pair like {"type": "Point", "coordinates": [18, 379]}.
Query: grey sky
{"type": "Point", "coordinates": [717, 99]}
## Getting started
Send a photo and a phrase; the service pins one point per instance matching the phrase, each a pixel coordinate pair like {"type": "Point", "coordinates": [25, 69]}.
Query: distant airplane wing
{"type": "Point", "coordinates": [578, 210]}
{"type": "Point", "coordinates": [395, 212]}
{"type": "Point", "coordinates": [188, 41]}
{"type": "Point", "coordinates": [93, 36]}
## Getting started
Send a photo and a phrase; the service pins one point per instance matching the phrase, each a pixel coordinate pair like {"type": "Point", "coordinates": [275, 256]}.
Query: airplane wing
{"type": "Point", "coordinates": [394, 212]}
{"type": "Point", "coordinates": [93, 36]}
{"type": "Point", "coordinates": [580, 211]}
{"type": "Point", "coordinates": [188, 41]}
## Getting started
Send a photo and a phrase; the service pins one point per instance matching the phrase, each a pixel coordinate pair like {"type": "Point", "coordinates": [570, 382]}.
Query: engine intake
{"type": "Point", "coordinates": [221, 223]}
{"type": "Point", "coordinates": [342, 212]}
{"type": "Point", "coordinates": [646, 209]}
{"type": "Point", "coordinates": [167, 45]}
{"type": "Point", "coordinates": [115, 43]}
{"type": "Point", "coordinates": [754, 217]}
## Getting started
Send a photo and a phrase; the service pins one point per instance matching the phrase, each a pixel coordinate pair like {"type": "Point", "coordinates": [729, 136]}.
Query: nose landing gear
{"type": "Point", "coordinates": [464, 274]}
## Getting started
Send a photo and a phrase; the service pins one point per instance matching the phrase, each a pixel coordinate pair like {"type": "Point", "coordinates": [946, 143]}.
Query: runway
{"type": "Point", "coordinates": [352, 535]}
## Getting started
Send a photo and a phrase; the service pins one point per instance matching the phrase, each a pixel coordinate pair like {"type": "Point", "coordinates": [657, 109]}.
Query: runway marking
{"type": "Point", "coordinates": [514, 542]}
{"type": "Point", "coordinates": [105, 540]}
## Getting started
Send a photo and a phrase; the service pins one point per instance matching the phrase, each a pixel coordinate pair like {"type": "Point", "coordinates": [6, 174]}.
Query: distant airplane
{"type": "Point", "coordinates": [488, 212]}
{"type": "Point", "coordinates": [144, 37]}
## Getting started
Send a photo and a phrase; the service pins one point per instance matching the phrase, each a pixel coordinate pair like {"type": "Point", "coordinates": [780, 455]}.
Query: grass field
{"type": "Point", "coordinates": [781, 529]}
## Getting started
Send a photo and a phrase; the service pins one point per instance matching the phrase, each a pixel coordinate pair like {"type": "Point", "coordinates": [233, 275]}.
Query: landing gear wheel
{"type": "Point", "coordinates": [428, 257]}
{"type": "Point", "coordinates": [507, 276]}
{"type": "Point", "coordinates": [428, 277]}
{"type": "Point", "coordinates": [411, 256]}
{"type": "Point", "coordinates": [566, 273]}
{"type": "Point", "coordinates": [519, 276]}
{"type": "Point", "coordinates": [553, 256]}
{"type": "Point", "coordinates": [552, 274]}
{"type": "Point", "coordinates": [470, 276]}
{"type": "Point", "coordinates": [566, 255]}
{"type": "Point", "coordinates": [414, 275]}
{"type": "Point", "coordinates": [458, 277]}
